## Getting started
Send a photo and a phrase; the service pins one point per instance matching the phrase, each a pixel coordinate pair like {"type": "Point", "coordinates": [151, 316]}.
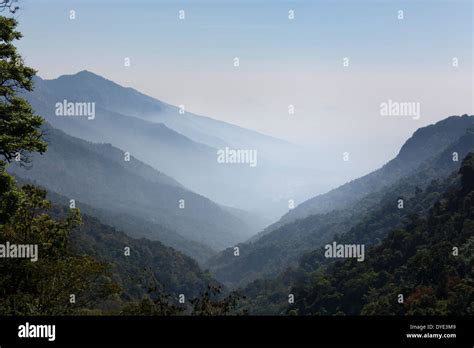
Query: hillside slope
{"type": "Point", "coordinates": [98, 176]}
{"type": "Point", "coordinates": [148, 261]}
{"type": "Point", "coordinates": [429, 261]}
{"type": "Point", "coordinates": [425, 144]}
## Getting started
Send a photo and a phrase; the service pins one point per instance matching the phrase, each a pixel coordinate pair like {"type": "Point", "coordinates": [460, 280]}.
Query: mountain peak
{"type": "Point", "coordinates": [84, 74]}
{"type": "Point", "coordinates": [435, 136]}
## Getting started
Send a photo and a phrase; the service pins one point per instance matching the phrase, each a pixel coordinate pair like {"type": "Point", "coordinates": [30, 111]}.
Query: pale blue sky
{"type": "Point", "coordinates": [282, 62]}
{"type": "Point", "coordinates": [258, 30]}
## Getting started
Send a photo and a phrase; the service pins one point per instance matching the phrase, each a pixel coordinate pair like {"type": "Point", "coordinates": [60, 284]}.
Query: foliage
{"type": "Point", "coordinates": [44, 287]}
{"type": "Point", "coordinates": [417, 261]}
{"type": "Point", "coordinates": [19, 127]}
{"type": "Point", "coordinates": [209, 303]}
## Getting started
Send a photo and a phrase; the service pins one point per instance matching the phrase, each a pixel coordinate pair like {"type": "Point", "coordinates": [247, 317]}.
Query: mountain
{"type": "Point", "coordinates": [283, 246]}
{"type": "Point", "coordinates": [108, 95]}
{"type": "Point", "coordinates": [425, 144]}
{"type": "Point", "coordinates": [99, 176]}
{"type": "Point", "coordinates": [184, 146]}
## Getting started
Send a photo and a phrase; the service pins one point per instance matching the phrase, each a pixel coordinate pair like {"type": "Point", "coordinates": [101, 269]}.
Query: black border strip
{"type": "Point", "coordinates": [239, 330]}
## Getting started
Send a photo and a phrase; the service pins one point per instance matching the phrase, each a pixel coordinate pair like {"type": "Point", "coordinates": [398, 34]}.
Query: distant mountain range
{"type": "Point", "coordinates": [184, 146]}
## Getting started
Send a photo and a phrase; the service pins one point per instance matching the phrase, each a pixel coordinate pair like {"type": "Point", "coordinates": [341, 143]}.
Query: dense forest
{"type": "Point", "coordinates": [424, 254]}
{"type": "Point", "coordinates": [424, 268]}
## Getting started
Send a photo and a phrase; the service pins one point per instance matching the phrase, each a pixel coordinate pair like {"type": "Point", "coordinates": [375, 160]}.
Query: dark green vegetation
{"type": "Point", "coordinates": [410, 254]}
{"type": "Point", "coordinates": [44, 287]}
{"type": "Point", "coordinates": [430, 262]}
{"type": "Point", "coordinates": [82, 256]}
{"type": "Point", "coordinates": [27, 287]}
{"type": "Point", "coordinates": [282, 247]}
{"type": "Point", "coordinates": [19, 126]}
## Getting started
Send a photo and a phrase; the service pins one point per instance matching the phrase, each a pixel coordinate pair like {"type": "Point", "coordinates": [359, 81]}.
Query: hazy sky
{"type": "Point", "coordinates": [282, 62]}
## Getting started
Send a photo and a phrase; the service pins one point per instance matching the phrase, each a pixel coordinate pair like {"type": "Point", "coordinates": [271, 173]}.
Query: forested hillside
{"type": "Point", "coordinates": [99, 175]}
{"type": "Point", "coordinates": [425, 144]}
{"type": "Point", "coordinates": [430, 262]}
{"type": "Point", "coordinates": [402, 248]}
{"type": "Point", "coordinates": [281, 248]}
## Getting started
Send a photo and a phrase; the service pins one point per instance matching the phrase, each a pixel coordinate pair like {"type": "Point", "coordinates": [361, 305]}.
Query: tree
{"type": "Point", "coordinates": [19, 126]}
{"type": "Point", "coordinates": [209, 304]}
{"type": "Point", "coordinates": [8, 194]}
{"type": "Point", "coordinates": [58, 281]}
{"type": "Point", "coordinates": [157, 302]}
{"type": "Point", "coordinates": [44, 287]}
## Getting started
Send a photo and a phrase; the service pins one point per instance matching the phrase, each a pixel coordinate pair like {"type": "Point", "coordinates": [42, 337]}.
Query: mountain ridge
{"type": "Point", "coordinates": [77, 169]}
{"type": "Point", "coordinates": [325, 202]}
{"type": "Point", "coordinates": [183, 146]}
